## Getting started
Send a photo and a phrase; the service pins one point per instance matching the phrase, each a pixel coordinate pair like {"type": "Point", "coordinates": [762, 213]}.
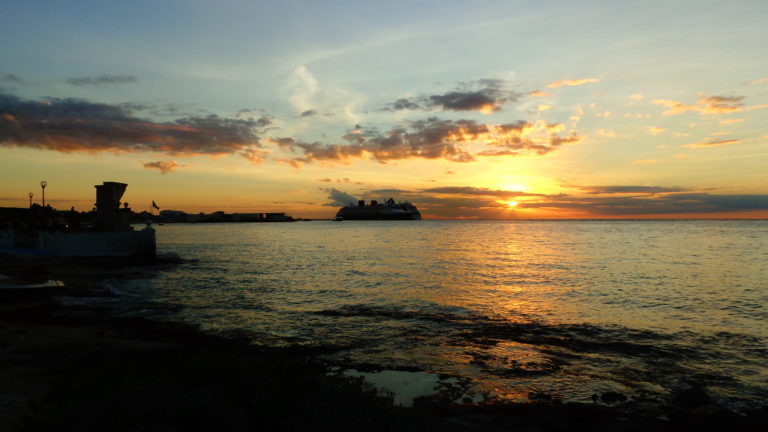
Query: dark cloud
{"type": "Point", "coordinates": [308, 113]}
{"type": "Point", "coordinates": [467, 101]}
{"type": "Point", "coordinates": [338, 198]}
{"type": "Point", "coordinates": [130, 107]}
{"type": "Point", "coordinates": [102, 79]}
{"type": "Point", "coordinates": [675, 203]}
{"type": "Point", "coordinates": [712, 143]}
{"type": "Point", "coordinates": [389, 191]}
{"type": "Point", "coordinates": [486, 95]}
{"type": "Point", "coordinates": [164, 166]}
{"type": "Point", "coordinates": [405, 104]}
{"type": "Point", "coordinates": [596, 190]}
{"type": "Point", "coordinates": [11, 78]}
{"type": "Point", "coordinates": [69, 125]}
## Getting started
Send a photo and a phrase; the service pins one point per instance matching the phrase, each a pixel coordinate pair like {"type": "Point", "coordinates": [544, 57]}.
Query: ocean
{"type": "Point", "coordinates": [485, 310]}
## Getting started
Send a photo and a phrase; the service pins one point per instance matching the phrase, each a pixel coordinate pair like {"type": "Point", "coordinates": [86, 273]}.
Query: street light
{"type": "Point", "coordinates": [30, 199]}
{"type": "Point", "coordinates": [43, 184]}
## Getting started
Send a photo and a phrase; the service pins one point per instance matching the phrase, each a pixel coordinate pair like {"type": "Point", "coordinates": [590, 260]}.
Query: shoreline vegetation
{"type": "Point", "coordinates": [78, 365]}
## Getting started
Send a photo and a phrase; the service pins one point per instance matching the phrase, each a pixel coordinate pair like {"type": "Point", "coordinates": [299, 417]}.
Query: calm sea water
{"type": "Point", "coordinates": [645, 308]}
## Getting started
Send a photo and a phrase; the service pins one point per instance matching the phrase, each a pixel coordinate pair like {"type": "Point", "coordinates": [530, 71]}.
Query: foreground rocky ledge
{"type": "Point", "coordinates": [65, 367]}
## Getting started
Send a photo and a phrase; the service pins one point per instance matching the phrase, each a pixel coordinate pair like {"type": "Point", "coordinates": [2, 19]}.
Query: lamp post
{"type": "Point", "coordinates": [30, 199]}
{"type": "Point", "coordinates": [43, 184]}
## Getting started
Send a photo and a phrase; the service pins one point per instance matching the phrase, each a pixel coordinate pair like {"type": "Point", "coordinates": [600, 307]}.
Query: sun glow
{"type": "Point", "coordinates": [516, 187]}
{"type": "Point", "coordinates": [512, 204]}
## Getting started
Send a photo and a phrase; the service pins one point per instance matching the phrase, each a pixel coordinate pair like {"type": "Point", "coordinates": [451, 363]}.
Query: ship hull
{"type": "Point", "coordinates": [374, 213]}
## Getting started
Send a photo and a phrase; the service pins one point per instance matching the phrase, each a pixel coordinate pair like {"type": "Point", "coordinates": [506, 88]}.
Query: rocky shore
{"type": "Point", "coordinates": [76, 366]}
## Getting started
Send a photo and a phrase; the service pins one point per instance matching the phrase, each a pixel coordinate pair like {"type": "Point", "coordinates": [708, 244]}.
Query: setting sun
{"type": "Point", "coordinates": [512, 203]}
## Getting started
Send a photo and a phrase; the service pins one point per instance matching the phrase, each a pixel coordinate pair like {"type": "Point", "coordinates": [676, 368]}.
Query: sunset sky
{"type": "Point", "coordinates": [468, 109]}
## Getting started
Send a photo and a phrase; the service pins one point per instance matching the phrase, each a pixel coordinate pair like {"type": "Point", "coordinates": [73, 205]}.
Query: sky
{"type": "Point", "coordinates": [468, 109]}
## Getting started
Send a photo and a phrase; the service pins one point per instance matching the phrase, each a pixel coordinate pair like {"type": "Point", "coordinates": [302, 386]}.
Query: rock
{"type": "Point", "coordinates": [613, 397]}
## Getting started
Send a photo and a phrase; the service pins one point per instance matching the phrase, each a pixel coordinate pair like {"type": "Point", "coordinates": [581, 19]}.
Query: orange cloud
{"type": "Point", "coordinates": [164, 166]}
{"type": "Point", "coordinates": [731, 121]}
{"type": "Point", "coordinates": [708, 105]}
{"type": "Point", "coordinates": [572, 83]}
{"type": "Point", "coordinates": [255, 156]}
{"type": "Point", "coordinates": [433, 138]}
{"type": "Point", "coordinates": [653, 130]}
{"type": "Point", "coordinates": [538, 93]}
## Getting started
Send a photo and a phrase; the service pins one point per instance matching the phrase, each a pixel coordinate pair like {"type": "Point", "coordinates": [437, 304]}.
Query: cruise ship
{"type": "Point", "coordinates": [388, 210]}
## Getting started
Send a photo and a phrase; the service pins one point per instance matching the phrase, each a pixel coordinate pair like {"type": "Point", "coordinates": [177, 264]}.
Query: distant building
{"type": "Point", "coordinates": [277, 217]}
{"type": "Point", "coordinates": [248, 217]}
{"type": "Point", "coordinates": [173, 216]}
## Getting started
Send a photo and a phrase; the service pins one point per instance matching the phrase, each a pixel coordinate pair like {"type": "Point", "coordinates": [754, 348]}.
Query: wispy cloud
{"type": "Point", "coordinates": [758, 81]}
{"type": "Point", "coordinates": [715, 143]}
{"type": "Point", "coordinates": [731, 121]}
{"type": "Point", "coordinates": [102, 79]}
{"type": "Point", "coordinates": [654, 130]}
{"type": "Point", "coordinates": [11, 78]}
{"type": "Point", "coordinates": [475, 191]}
{"type": "Point", "coordinates": [303, 86]}
{"type": "Point", "coordinates": [164, 166]}
{"type": "Point", "coordinates": [628, 189]}
{"type": "Point", "coordinates": [708, 105]}
{"type": "Point", "coordinates": [673, 203]}
{"type": "Point", "coordinates": [606, 133]}
{"type": "Point", "coordinates": [572, 83]}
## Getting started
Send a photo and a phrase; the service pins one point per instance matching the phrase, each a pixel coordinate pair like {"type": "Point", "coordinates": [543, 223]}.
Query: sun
{"type": "Point", "coordinates": [512, 204]}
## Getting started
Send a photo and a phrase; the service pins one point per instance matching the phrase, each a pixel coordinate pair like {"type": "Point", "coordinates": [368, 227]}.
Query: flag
{"type": "Point", "coordinates": [155, 205]}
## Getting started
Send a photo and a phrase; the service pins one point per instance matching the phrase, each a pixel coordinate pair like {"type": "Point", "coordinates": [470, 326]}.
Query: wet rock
{"type": "Point", "coordinates": [539, 396]}
{"type": "Point", "coordinates": [694, 396]}
{"type": "Point", "coordinates": [613, 397]}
